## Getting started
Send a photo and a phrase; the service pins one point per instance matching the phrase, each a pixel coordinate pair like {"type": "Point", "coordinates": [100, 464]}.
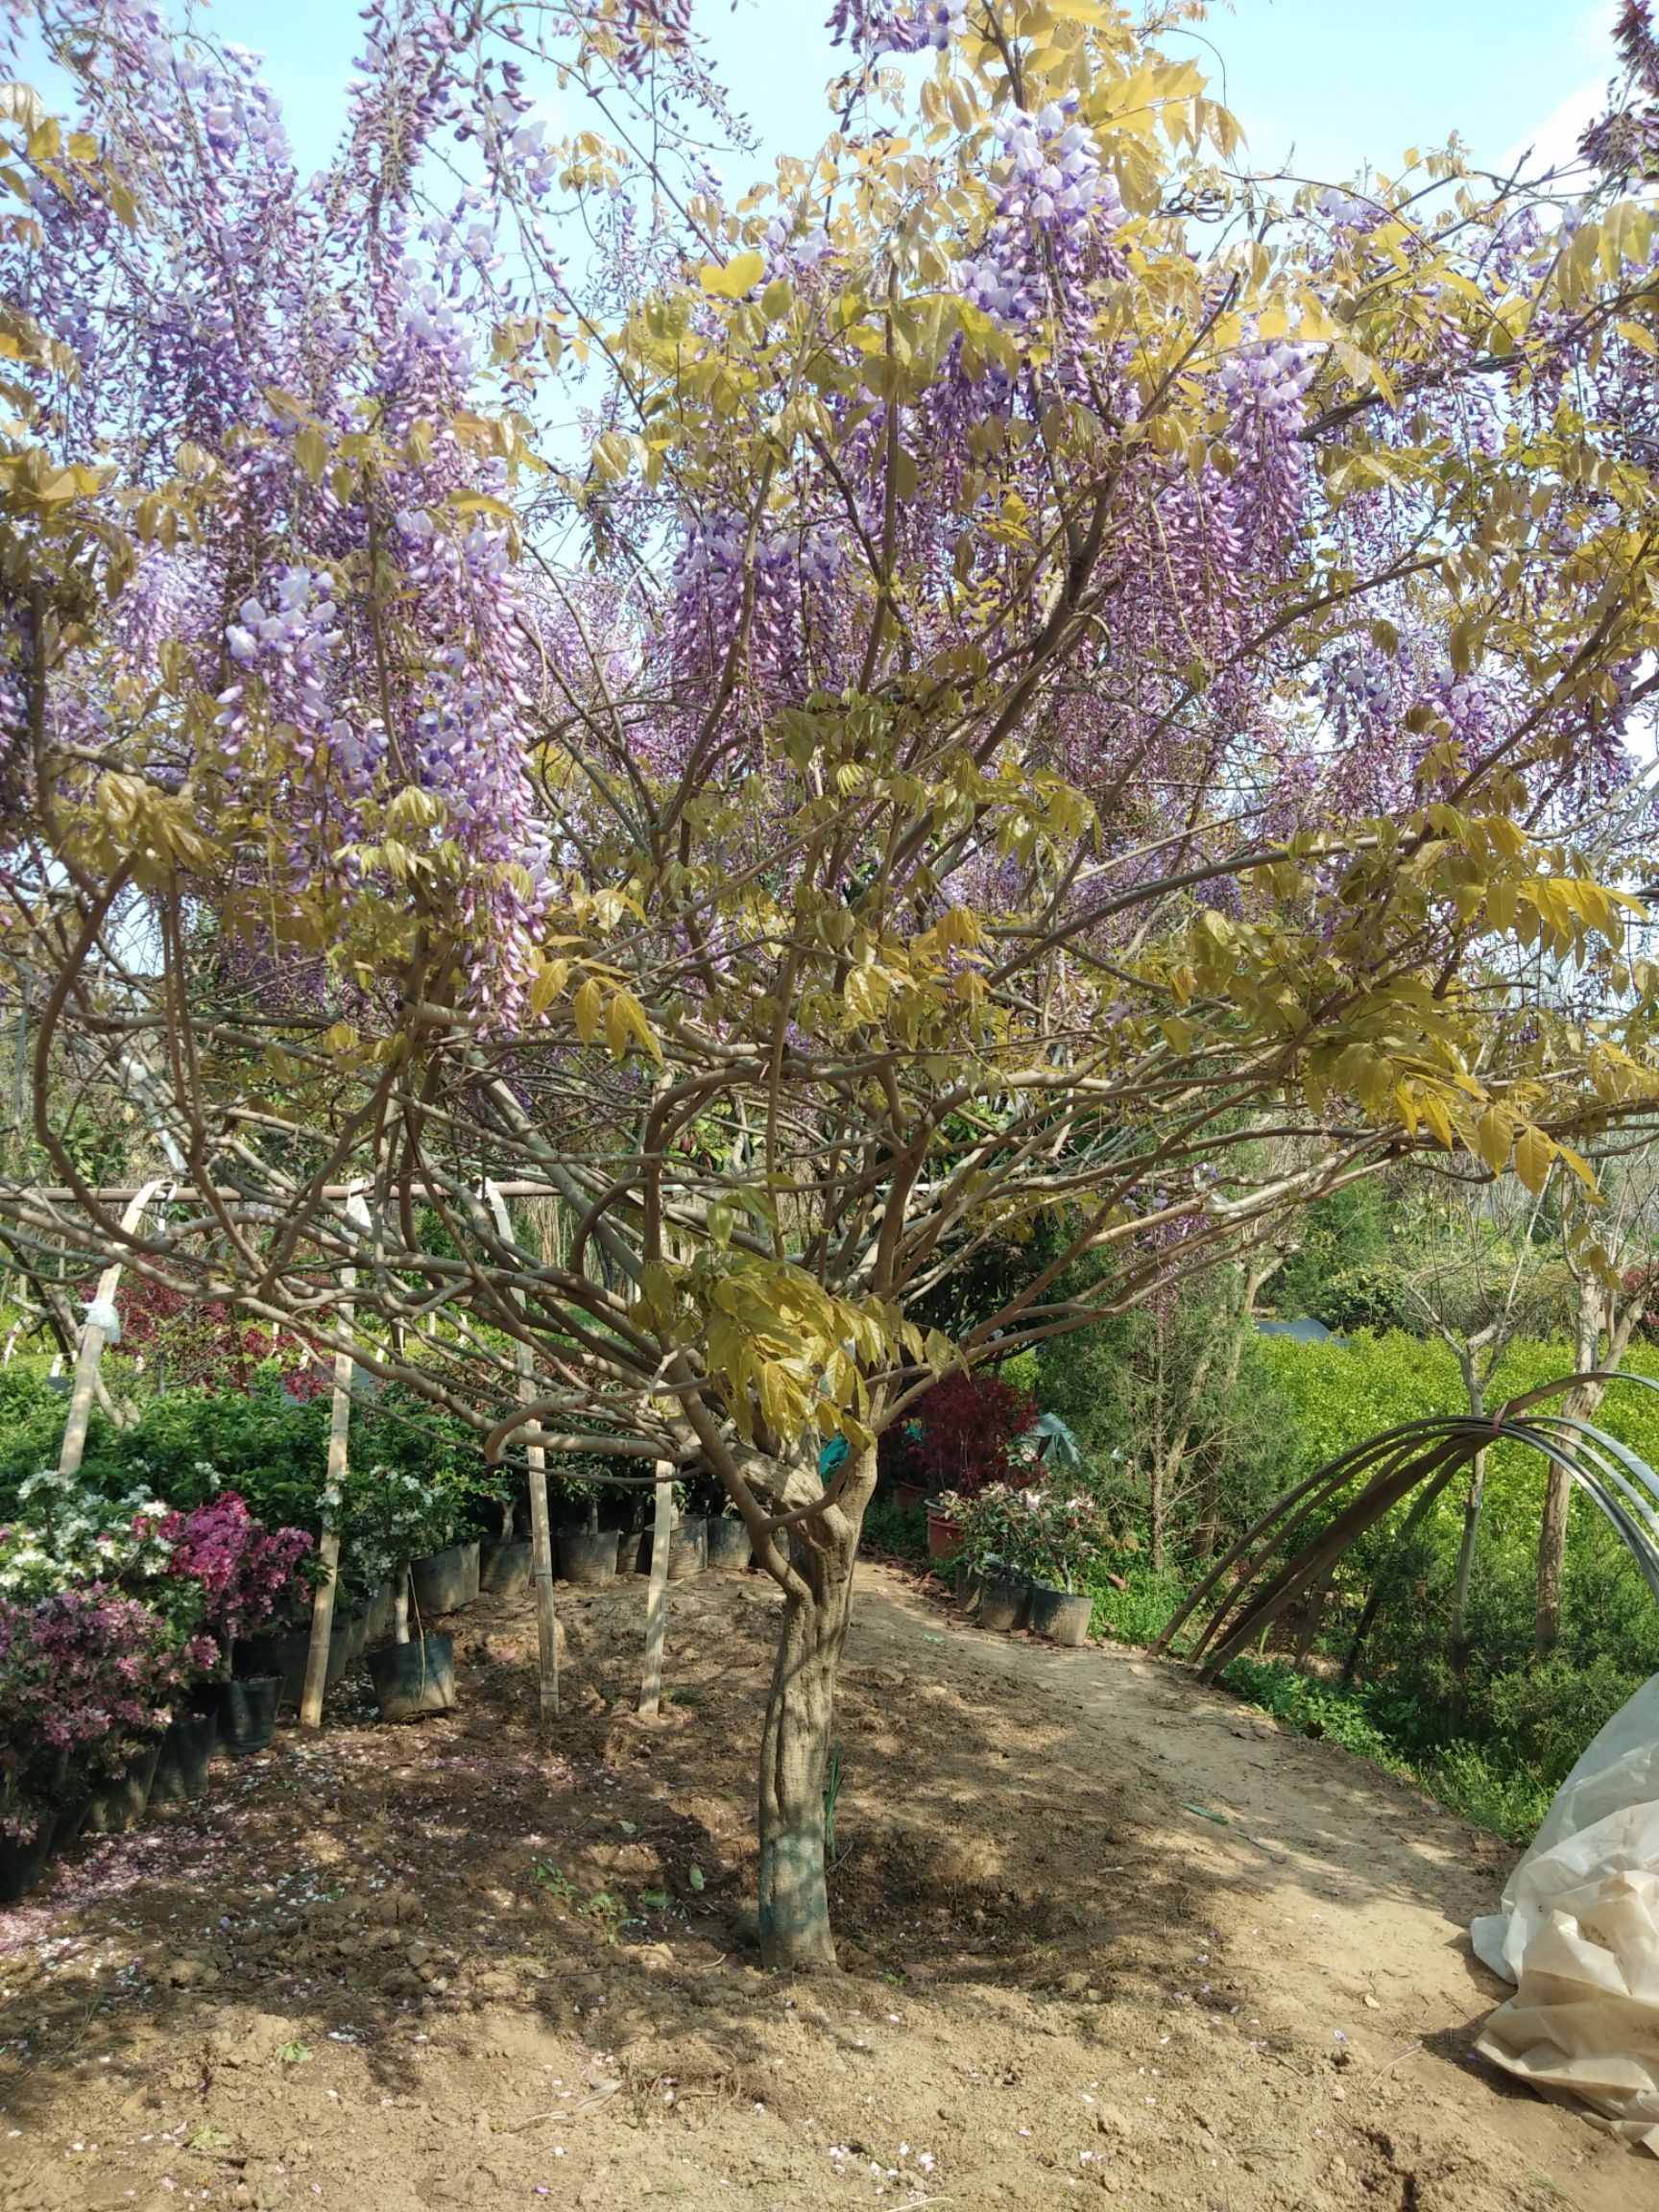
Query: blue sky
{"type": "Point", "coordinates": [1341, 80]}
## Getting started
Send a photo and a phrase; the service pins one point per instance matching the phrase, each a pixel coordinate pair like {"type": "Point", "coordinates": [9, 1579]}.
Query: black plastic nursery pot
{"type": "Point", "coordinates": [182, 1758]}
{"type": "Point", "coordinates": [246, 1715]}
{"type": "Point", "coordinates": [446, 1581]}
{"type": "Point", "coordinates": [505, 1566]}
{"type": "Point", "coordinates": [1004, 1601]}
{"type": "Point", "coordinates": [633, 1552]}
{"type": "Point", "coordinates": [588, 1555]}
{"type": "Point", "coordinates": [1061, 1614]}
{"type": "Point", "coordinates": [286, 1657]}
{"type": "Point", "coordinates": [688, 1548]}
{"type": "Point", "coordinates": [121, 1801]}
{"type": "Point", "coordinates": [23, 1863]}
{"type": "Point", "coordinates": [727, 1542]}
{"type": "Point", "coordinates": [415, 1677]}
{"type": "Point", "coordinates": [968, 1580]}
{"type": "Point", "coordinates": [380, 1613]}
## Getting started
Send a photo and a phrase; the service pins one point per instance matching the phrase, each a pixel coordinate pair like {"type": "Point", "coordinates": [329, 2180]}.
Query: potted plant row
{"type": "Point", "coordinates": [1023, 1553]}
{"type": "Point", "coordinates": [117, 1626]}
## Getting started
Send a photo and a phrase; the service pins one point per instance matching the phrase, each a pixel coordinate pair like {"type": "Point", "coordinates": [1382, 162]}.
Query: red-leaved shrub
{"type": "Point", "coordinates": [973, 1428]}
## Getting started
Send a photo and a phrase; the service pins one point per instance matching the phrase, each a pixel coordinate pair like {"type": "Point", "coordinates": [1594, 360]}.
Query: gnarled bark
{"type": "Point", "coordinates": [793, 1901]}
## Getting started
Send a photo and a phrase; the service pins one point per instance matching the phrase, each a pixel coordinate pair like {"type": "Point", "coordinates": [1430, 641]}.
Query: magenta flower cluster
{"type": "Point", "coordinates": [242, 1570]}
{"type": "Point", "coordinates": [85, 1675]}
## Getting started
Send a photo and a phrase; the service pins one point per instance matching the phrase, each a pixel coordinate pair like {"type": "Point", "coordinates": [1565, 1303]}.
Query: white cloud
{"type": "Point", "coordinates": [1554, 143]}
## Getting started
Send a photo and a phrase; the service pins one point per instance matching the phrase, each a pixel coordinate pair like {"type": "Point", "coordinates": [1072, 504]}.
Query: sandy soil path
{"type": "Point", "coordinates": [1108, 1937]}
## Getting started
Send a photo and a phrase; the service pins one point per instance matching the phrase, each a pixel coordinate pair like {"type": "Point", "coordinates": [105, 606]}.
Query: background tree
{"type": "Point", "coordinates": [1608, 1252]}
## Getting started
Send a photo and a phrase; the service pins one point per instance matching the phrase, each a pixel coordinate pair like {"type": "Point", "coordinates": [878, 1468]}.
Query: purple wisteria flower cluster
{"type": "Point", "coordinates": [876, 27]}
{"type": "Point", "coordinates": [1056, 207]}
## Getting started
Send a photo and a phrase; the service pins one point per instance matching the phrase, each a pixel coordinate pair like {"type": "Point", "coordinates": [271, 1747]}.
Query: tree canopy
{"type": "Point", "coordinates": [1015, 683]}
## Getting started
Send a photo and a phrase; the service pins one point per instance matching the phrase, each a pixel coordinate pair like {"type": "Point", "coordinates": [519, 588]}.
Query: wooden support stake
{"type": "Point", "coordinates": [541, 1554]}
{"type": "Point", "coordinates": [540, 1525]}
{"type": "Point", "coordinates": [657, 1603]}
{"type": "Point", "coordinates": [333, 1489]}
{"type": "Point", "coordinates": [93, 1337]}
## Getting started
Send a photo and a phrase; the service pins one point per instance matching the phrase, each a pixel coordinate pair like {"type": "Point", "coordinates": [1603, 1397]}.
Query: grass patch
{"type": "Point", "coordinates": [1493, 1789]}
{"type": "Point", "coordinates": [1135, 1614]}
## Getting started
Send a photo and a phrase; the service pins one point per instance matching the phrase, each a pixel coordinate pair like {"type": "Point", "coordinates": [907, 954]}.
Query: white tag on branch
{"type": "Point", "coordinates": [101, 1313]}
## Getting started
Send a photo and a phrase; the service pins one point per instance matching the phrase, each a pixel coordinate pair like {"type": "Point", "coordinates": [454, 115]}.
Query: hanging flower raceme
{"type": "Point", "coordinates": [876, 27]}
{"type": "Point", "coordinates": [1264, 388]}
{"type": "Point", "coordinates": [1055, 210]}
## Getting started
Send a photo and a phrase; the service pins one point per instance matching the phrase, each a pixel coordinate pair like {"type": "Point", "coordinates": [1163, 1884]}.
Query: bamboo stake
{"type": "Point", "coordinates": [657, 1603]}
{"type": "Point", "coordinates": [541, 1525]}
{"type": "Point", "coordinates": [333, 1488]}
{"type": "Point", "coordinates": [92, 1339]}
{"type": "Point", "coordinates": [541, 1554]}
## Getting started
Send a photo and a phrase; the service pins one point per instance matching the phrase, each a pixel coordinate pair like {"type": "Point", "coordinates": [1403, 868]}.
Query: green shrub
{"type": "Point", "coordinates": [1136, 1614]}
{"type": "Point", "coordinates": [900, 1531]}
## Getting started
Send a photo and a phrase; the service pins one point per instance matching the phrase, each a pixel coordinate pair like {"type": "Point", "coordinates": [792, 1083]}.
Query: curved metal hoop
{"type": "Point", "coordinates": [1420, 1458]}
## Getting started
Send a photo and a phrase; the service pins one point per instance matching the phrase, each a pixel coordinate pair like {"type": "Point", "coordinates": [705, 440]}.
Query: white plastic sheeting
{"type": "Point", "coordinates": [101, 1313]}
{"type": "Point", "coordinates": [1577, 1932]}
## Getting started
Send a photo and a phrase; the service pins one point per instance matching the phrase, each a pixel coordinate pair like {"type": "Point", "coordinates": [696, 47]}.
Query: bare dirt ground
{"type": "Point", "coordinates": [1107, 1937]}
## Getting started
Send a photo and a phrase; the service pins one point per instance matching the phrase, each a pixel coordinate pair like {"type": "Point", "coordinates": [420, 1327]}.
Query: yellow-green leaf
{"type": "Point", "coordinates": [740, 276]}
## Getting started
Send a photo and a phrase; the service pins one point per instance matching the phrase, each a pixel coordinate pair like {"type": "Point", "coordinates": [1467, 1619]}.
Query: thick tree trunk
{"type": "Point", "coordinates": [1552, 1560]}
{"type": "Point", "coordinates": [1598, 1313]}
{"type": "Point", "coordinates": [794, 1905]}
{"type": "Point", "coordinates": [1471, 1505]}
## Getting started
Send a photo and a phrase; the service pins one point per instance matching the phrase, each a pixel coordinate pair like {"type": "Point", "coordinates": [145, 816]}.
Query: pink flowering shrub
{"type": "Point", "coordinates": [1039, 1532]}
{"type": "Point", "coordinates": [85, 1676]}
{"type": "Point", "coordinates": [243, 1571]}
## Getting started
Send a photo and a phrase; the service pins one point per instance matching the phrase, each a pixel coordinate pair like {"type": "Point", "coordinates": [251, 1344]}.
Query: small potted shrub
{"type": "Point", "coordinates": [87, 1679]}
{"type": "Point", "coordinates": [506, 1563]}
{"type": "Point", "coordinates": [993, 1540]}
{"type": "Point", "coordinates": [396, 1521]}
{"type": "Point", "coordinates": [1064, 1536]}
{"type": "Point", "coordinates": [79, 1543]}
{"type": "Point", "coordinates": [444, 1579]}
{"type": "Point", "coordinates": [247, 1576]}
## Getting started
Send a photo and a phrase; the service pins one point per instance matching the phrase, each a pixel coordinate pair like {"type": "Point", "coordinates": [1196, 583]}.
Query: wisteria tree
{"type": "Point", "coordinates": [1014, 678]}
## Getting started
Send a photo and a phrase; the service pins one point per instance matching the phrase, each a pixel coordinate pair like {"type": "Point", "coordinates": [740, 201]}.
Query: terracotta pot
{"type": "Point", "coordinates": [910, 1495]}
{"type": "Point", "coordinates": [944, 1534]}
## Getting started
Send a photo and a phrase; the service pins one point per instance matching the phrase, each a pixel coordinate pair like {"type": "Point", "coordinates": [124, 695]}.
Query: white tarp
{"type": "Point", "coordinates": [1577, 1932]}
